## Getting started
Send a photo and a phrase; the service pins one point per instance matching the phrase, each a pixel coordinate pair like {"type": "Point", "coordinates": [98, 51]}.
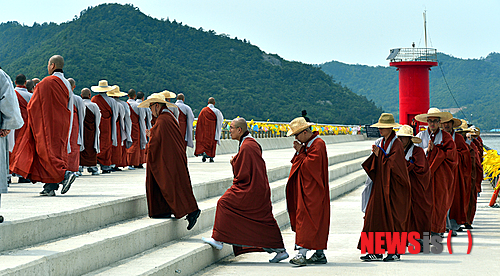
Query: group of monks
{"type": "Point", "coordinates": [426, 183]}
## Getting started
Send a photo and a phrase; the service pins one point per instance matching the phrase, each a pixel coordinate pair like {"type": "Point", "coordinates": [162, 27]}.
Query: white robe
{"type": "Point", "coordinates": [141, 112]}
{"type": "Point", "coordinates": [426, 137]}
{"type": "Point", "coordinates": [70, 104]}
{"type": "Point", "coordinates": [94, 108]}
{"type": "Point", "coordinates": [80, 110]}
{"type": "Point", "coordinates": [184, 108]}
{"type": "Point", "coordinates": [220, 119]}
{"type": "Point", "coordinates": [10, 118]}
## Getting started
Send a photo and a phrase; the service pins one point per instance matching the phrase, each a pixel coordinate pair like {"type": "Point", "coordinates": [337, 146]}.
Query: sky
{"type": "Point", "coordinates": [313, 32]}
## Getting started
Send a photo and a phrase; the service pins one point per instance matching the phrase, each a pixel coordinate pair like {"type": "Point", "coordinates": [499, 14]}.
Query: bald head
{"type": "Point", "coordinates": [30, 85]}
{"type": "Point", "coordinates": [55, 62]}
{"type": "Point", "coordinates": [72, 83]}
{"type": "Point", "coordinates": [35, 80]}
{"type": "Point", "coordinates": [180, 97]}
{"type": "Point", "coordinates": [85, 94]}
{"type": "Point", "coordinates": [211, 100]}
{"type": "Point", "coordinates": [238, 128]}
{"type": "Point", "coordinates": [132, 94]}
{"type": "Point", "coordinates": [240, 122]}
{"type": "Point", "coordinates": [140, 95]}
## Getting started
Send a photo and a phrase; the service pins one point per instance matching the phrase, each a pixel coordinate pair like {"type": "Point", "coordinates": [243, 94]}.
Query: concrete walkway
{"type": "Point", "coordinates": [23, 201]}
{"type": "Point", "coordinates": [343, 257]}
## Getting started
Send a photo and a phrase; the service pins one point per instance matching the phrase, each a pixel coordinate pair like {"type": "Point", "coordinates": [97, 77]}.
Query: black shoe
{"type": "Point", "coordinates": [317, 259]}
{"type": "Point", "coordinates": [299, 260]}
{"type": "Point", "coordinates": [163, 216]}
{"type": "Point", "coordinates": [468, 226]}
{"type": "Point", "coordinates": [460, 229]}
{"type": "Point", "coordinates": [392, 258]}
{"type": "Point", "coordinates": [23, 180]}
{"type": "Point", "coordinates": [1, 219]}
{"type": "Point", "coordinates": [371, 257]}
{"type": "Point", "coordinates": [116, 169]}
{"type": "Point", "coordinates": [192, 218]}
{"type": "Point", "coordinates": [69, 178]}
{"type": "Point", "coordinates": [203, 159]}
{"type": "Point", "coordinates": [139, 167]}
{"type": "Point", "coordinates": [48, 193]}
{"type": "Point", "coordinates": [106, 171]}
{"type": "Point", "coordinates": [211, 160]}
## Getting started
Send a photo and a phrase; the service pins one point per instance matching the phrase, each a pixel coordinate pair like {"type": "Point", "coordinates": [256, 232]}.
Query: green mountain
{"type": "Point", "coordinates": [473, 83]}
{"type": "Point", "coordinates": [121, 44]}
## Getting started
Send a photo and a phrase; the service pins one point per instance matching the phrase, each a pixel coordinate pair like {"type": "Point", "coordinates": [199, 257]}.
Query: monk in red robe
{"type": "Point", "coordinates": [88, 157]}
{"type": "Point", "coordinates": [208, 131]}
{"type": "Point", "coordinates": [23, 97]}
{"type": "Point", "coordinates": [168, 185]}
{"type": "Point", "coordinates": [45, 143]}
{"type": "Point", "coordinates": [387, 196]}
{"type": "Point", "coordinates": [244, 216]}
{"type": "Point", "coordinates": [458, 210]}
{"type": "Point", "coordinates": [118, 151]}
{"type": "Point", "coordinates": [138, 132]}
{"type": "Point", "coordinates": [76, 137]}
{"type": "Point", "coordinates": [186, 119]}
{"type": "Point", "coordinates": [149, 122]}
{"type": "Point", "coordinates": [107, 127]}
{"type": "Point", "coordinates": [419, 174]}
{"type": "Point", "coordinates": [442, 156]}
{"type": "Point", "coordinates": [476, 177]}
{"type": "Point", "coordinates": [308, 194]}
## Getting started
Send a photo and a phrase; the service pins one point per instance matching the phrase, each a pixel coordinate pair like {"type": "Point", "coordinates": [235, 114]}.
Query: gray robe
{"type": "Point", "coordinates": [10, 118]}
{"type": "Point", "coordinates": [80, 110]}
{"type": "Point", "coordinates": [142, 121]}
{"type": "Point", "coordinates": [127, 123]}
{"type": "Point", "coordinates": [94, 108]}
{"type": "Point", "coordinates": [114, 108]}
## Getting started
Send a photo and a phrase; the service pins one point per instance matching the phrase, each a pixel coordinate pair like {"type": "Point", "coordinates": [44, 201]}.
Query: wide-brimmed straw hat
{"type": "Point", "coordinates": [456, 122]}
{"type": "Point", "coordinates": [386, 120]}
{"type": "Point", "coordinates": [168, 94]}
{"type": "Point", "coordinates": [103, 86]}
{"type": "Point", "coordinates": [115, 92]}
{"type": "Point", "coordinates": [434, 112]}
{"type": "Point", "coordinates": [407, 131]}
{"type": "Point", "coordinates": [155, 98]}
{"type": "Point", "coordinates": [297, 125]}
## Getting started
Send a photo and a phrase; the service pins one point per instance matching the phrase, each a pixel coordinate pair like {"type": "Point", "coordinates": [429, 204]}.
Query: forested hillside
{"type": "Point", "coordinates": [473, 82]}
{"type": "Point", "coordinates": [121, 44]}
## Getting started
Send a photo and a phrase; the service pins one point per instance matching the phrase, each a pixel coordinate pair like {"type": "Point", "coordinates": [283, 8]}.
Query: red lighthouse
{"type": "Point", "coordinates": [413, 65]}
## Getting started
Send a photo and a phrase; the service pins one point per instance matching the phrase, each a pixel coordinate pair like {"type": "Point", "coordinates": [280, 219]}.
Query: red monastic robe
{"type": "Point", "coordinates": [168, 185]}
{"type": "Point", "coordinates": [421, 192]}
{"type": "Point", "coordinates": [443, 160]}
{"type": "Point", "coordinates": [134, 152]}
{"type": "Point", "coordinates": [19, 133]}
{"type": "Point", "coordinates": [388, 208]}
{"type": "Point", "coordinates": [308, 195]}
{"type": "Point", "coordinates": [205, 132]}
{"type": "Point", "coordinates": [183, 125]}
{"type": "Point", "coordinates": [244, 215]}
{"type": "Point", "coordinates": [88, 157]}
{"type": "Point", "coordinates": [106, 141]}
{"type": "Point", "coordinates": [74, 156]}
{"type": "Point", "coordinates": [458, 210]}
{"type": "Point", "coordinates": [476, 179]}
{"type": "Point", "coordinates": [44, 154]}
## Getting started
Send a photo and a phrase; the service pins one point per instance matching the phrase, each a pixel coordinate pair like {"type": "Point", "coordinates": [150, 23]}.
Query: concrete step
{"type": "Point", "coordinates": [90, 251]}
{"type": "Point", "coordinates": [28, 232]}
{"type": "Point", "coordinates": [189, 255]}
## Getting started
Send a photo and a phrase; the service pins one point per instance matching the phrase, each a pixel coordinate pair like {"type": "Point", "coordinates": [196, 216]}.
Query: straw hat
{"type": "Point", "coordinates": [115, 92]}
{"type": "Point", "coordinates": [386, 120]}
{"type": "Point", "coordinates": [434, 112]}
{"type": "Point", "coordinates": [102, 87]}
{"type": "Point", "coordinates": [297, 125]}
{"type": "Point", "coordinates": [456, 122]}
{"type": "Point", "coordinates": [407, 131]}
{"type": "Point", "coordinates": [155, 98]}
{"type": "Point", "coordinates": [168, 94]}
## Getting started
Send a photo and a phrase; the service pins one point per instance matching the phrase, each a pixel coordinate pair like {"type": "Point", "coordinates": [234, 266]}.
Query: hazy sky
{"type": "Point", "coordinates": [350, 31]}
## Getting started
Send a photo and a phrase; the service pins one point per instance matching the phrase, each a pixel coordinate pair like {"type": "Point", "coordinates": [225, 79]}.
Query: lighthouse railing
{"type": "Point", "coordinates": [413, 54]}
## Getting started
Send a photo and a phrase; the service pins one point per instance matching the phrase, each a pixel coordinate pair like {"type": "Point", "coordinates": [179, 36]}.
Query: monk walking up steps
{"type": "Point", "coordinates": [244, 215]}
{"type": "Point", "coordinates": [168, 185]}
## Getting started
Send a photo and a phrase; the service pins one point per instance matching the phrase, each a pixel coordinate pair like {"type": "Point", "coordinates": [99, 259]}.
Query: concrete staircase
{"type": "Point", "coordinates": [117, 238]}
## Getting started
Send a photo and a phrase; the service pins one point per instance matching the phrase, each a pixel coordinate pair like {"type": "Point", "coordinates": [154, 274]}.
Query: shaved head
{"type": "Point", "coordinates": [140, 95]}
{"type": "Point", "coordinates": [72, 83]}
{"type": "Point", "coordinates": [58, 61]}
{"type": "Point", "coordinates": [36, 80]}
{"type": "Point", "coordinates": [85, 94]}
{"type": "Point", "coordinates": [132, 94]}
{"type": "Point", "coordinates": [240, 122]}
{"type": "Point", "coordinates": [211, 100]}
{"type": "Point", "coordinates": [180, 96]}
{"type": "Point", "coordinates": [30, 85]}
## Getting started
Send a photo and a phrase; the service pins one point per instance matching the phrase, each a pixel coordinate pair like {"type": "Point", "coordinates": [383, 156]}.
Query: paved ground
{"type": "Point", "coordinates": [343, 257]}
{"type": "Point", "coordinates": [24, 202]}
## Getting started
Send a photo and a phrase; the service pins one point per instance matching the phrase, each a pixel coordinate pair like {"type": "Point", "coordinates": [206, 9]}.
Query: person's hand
{"type": "Point", "coordinates": [4, 132]}
{"type": "Point", "coordinates": [148, 133]}
{"type": "Point", "coordinates": [375, 150]}
{"type": "Point", "coordinates": [431, 145]}
{"type": "Point", "coordinates": [297, 146]}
